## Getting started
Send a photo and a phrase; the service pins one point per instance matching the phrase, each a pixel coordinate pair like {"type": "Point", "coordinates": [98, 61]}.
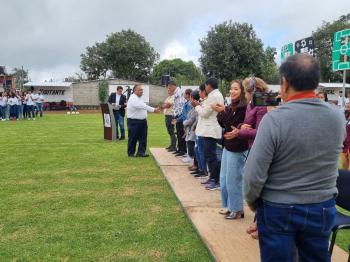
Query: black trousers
{"type": "Point", "coordinates": [137, 132]}
{"type": "Point", "coordinates": [190, 148]}
{"type": "Point", "coordinates": [171, 131]}
{"type": "Point", "coordinates": [211, 158]}
{"type": "Point", "coordinates": [181, 142]}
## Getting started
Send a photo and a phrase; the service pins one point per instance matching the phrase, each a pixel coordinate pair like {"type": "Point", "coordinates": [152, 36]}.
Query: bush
{"type": "Point", "coordinates": [103, 91]}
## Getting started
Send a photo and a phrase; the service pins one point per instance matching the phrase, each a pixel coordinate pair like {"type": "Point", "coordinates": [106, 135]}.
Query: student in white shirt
{"type": "Point", "coordinates": [13, 103]}
{"type": "Point", "coordinates": [137, 122]}
{"type": "Point", "coordinates": [39, 101]}
{"type": "Point", "coordinates": [30, 105]}
{"type": "Point", "coordinates": [3, 106]}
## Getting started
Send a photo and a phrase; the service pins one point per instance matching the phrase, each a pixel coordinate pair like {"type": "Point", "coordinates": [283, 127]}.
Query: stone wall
{"type": "Point", "coordinates": [86, 93]}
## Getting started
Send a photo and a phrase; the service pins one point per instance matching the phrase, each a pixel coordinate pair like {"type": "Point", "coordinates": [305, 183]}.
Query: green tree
{"type": "Point", "coordinates": [269, 70]}
{"type": "Point", "coordinates": [232, 50]}
{"type": "Point", "coordinates": [127, 54]}
{"type": "Point", "coordinates": [103, 91]}
{"type": "Point", "coordinates": [323, 37]}
{"type": "Point", "coordinates": [93, 62]}
{"type": "Point", "coordinates": [21, 76]}
{"type": "Point", "coordinates": [184, 73]}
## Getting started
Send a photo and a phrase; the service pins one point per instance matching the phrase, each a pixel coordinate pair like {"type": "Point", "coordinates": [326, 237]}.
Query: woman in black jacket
{"type": "Point", "coordinates": [234, 153]}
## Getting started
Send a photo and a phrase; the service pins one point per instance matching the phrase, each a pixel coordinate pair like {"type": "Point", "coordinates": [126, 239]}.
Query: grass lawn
{"type": "Point", "coordinates": [67, 195]}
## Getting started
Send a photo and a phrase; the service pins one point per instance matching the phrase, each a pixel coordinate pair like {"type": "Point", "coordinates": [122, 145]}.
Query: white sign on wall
{"type": "Point", "coordinates": [56, 94]}
{"type": "Point", "coordinates": [145, 97]}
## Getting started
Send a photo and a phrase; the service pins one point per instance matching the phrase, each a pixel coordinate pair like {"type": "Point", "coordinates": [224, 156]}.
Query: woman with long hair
{"type": "Point", "coordinates": [233, 156]}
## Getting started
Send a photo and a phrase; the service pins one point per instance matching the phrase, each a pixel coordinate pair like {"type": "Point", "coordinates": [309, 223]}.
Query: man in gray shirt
{"type": "Point", "coordinates": [290, 174]}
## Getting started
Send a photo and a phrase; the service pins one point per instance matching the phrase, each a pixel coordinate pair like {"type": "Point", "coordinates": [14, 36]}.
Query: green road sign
{"type": "Point", "coordinates": [341, 50]}
{"type": "Point", "coordinates": [287, 50]}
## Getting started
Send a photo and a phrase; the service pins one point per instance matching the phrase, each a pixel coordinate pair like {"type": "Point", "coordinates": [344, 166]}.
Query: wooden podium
{"type": "Point", "coordinates": [108, 122]}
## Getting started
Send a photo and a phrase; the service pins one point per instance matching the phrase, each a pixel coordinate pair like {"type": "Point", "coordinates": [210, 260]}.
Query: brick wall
{"type": "Point", "coordinates": [86, 93]}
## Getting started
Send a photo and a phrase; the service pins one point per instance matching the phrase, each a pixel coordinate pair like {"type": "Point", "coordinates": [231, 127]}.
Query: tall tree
{"type": "Point", "coordinates": [324, 43]}
{"type": "Point", "coordinates": [184, 73]}
{"type": "Point", "coordinates": [21, 76]}
{"type": "Point", "coordinates": [232, 50]}
{"type": "Point", "coordinates": [127, 54]}
{"type": "Point", "coordinates": [93, 62]}
{"type": "Point", "coordinates": [269, 70]}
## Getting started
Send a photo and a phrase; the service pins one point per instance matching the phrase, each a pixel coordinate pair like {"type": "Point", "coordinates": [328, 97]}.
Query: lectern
{"type": "Point", "coordinates": [108, 122]}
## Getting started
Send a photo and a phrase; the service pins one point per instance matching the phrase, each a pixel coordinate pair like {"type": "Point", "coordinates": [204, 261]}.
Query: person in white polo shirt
{"type": "Point", "coordinates": [137, 122]}
{"type": "Point", "coordinates": [30, 105]}
{"type": "Point", "coordinates": [39, 101]}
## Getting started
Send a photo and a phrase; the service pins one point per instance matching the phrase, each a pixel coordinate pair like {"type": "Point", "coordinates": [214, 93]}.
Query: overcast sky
{"type": "Point", "coordinates": [48, 36]}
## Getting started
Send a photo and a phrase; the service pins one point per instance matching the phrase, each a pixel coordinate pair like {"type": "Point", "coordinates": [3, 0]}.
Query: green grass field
{"type": "Point", "coordinates": [68, 195]}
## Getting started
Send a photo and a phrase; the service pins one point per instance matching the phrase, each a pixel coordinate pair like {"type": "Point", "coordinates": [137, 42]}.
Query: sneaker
{"type": "Point", "coordinates": [213, 186]}
{"type": "Point", "coordinates": [187, 159]}
{"type": "Point", "coordinates": [34, 118]}
{"type": "Point", "coordinates": [29, 118]}
{"type": "Point", "coordinates": [180, 154]}
{"type": "Point", "coordinates": [171, 149]}
{"type": "Point", "coordinates": [208, 181]}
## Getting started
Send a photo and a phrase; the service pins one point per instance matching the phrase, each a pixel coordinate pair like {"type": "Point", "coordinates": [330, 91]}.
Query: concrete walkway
{"type": "Point", "coordinates": [226, 239]}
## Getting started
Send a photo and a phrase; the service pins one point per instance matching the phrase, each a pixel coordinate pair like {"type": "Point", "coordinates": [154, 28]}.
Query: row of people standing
{"type": "Point", "coordinates": [15, 105]}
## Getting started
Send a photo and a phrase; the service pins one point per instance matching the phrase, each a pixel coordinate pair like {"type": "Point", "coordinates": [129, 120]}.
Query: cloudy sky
{"type": "Point", "coordinates": [48, 36]}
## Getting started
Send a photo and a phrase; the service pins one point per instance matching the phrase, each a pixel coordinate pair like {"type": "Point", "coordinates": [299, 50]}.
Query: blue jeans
{"type": "Point", "coordinates": [119, 120]}
{"type": "Point", "coordinates": [199, 150]}
{"type": "Point", "coordinates": [13, 111]}
{"type": "Point", "coordinates": [20, 111]}
{"type": "Point", "coordinates": [3, 112]}
{"type": "Point", "coordinates": [31, 111]}
{"type": "Point", "coordinates": [231, 180]}
{"type": "Point", "coordinates": [282, 227]}
{"type": "Point", "coordinates": [39, 107]}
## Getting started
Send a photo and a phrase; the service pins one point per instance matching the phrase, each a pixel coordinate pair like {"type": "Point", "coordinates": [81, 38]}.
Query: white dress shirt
{"type": "Point", "coordinates": [137, 108]}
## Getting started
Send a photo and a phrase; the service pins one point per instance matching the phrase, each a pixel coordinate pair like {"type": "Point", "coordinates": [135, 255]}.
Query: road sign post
{"type": "Point", "coordinates": [287, 50]}
{"type": "Point", "coordinates": [341, 54]}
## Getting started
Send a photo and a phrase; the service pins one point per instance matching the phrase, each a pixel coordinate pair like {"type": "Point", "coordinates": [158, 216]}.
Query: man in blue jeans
{"type": "Point", "coordinates": [118, 101]}
{"type": "Point", "coordinates": [290, 174]}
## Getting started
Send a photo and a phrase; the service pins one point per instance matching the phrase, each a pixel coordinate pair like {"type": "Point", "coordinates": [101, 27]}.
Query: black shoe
{"type": "Point", "coordinates": [180, 154]}
{"type": "Point", "coordinates": [208, 181]}
{"type": "Point", "coordinates": [200, 175]}
{"type": "Point", "coordinates": [176, 152]}
{"type": "Point", "coordinates": [195, 172]}
{"type": "Point", "coordinates": [122, 138]}
{"type": "Point", "coordinates": [144, 155]}
{"type": "Point", "coordinates": [167, 148]}
{"type": "Point", "coordinates": [171, 149]}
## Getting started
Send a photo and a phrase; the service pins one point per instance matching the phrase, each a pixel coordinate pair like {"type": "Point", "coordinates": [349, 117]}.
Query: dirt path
{"type": "Point", "coordinates": [226, 240]}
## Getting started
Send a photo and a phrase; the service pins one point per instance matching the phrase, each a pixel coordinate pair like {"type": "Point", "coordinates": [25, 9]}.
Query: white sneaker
{"type": "Point", "coordinates": [187, 160]}
{"type": "Point", "coordinates": [34, 118]}
{"type": "Point", "coordinates": [29, 118]}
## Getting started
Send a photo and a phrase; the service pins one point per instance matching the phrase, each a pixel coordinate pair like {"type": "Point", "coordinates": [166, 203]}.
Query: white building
{"type": "Point", "coordinates": [53, 91]}
{"type": "Point", "coordinates": [332, 90]}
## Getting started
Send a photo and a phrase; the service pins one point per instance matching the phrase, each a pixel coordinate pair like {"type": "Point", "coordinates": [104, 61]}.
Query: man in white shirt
{"type": "Point", "coordinates": [209, 128]}
{"type": "Point", "coordinates": [342, 101]}
{"type": "Point", "coordinates": [39, 100]}
{"type": "Point", "coordinates": [137, 122]}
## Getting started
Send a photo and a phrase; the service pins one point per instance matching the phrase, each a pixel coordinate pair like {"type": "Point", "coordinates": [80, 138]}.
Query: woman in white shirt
{"type": "Point", "coordinates": [3, 106]}
{"type": "Point", "coordinates": [13, 103]}
{"type": "Point", "coordinates": [30, 105]}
